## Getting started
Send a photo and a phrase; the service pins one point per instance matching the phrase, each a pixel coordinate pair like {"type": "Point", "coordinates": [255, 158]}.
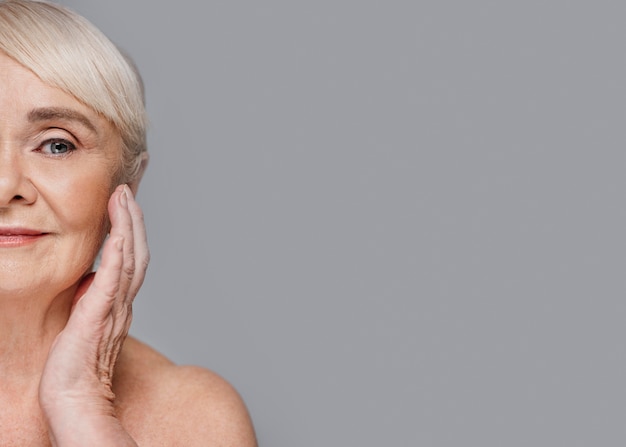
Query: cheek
{"type": "Point", "coordinates": [79, 202]}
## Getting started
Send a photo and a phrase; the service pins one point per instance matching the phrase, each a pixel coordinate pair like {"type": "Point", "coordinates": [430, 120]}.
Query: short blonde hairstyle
{"type": "Point", "coordinates": [66, 51]}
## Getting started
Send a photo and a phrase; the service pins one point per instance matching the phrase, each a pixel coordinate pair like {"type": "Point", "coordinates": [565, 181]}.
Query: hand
{"type": "Point", "coordinates": [75, 391]}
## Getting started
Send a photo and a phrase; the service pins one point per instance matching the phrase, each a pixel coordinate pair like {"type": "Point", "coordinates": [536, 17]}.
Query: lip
{"type": "Point", "coordinates": [18, 237]}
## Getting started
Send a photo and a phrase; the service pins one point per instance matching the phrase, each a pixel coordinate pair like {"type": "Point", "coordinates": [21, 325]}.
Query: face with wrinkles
{"type": "Point", "coordinates": [59, 161]}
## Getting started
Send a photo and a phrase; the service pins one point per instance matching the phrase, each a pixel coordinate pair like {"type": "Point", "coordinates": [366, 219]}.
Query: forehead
{"type": "Point", "coordinates": [24, 96]}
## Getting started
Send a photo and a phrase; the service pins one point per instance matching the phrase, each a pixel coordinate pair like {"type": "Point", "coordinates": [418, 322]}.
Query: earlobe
{"type": "Point", "coordinates": [134, 184]}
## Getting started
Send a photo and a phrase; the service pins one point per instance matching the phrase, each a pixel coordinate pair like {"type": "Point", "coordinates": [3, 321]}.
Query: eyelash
{"type": "Point", "coordinates": [71, 147]}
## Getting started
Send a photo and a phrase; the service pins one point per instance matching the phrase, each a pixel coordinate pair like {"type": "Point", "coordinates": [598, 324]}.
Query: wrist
{"type": "Point", "coordinates": [94, 424]}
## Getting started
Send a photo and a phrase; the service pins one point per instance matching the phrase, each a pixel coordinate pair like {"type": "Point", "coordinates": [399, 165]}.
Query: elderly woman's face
{"type": "Point", "coordinates": [58, 165]}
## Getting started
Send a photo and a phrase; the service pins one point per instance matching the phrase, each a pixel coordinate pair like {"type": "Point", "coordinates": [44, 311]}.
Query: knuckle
{"type": "Point", "coordinates": [129, 270]}
{"type": "Point", "coordinates": [109, 290]}
{"type": "Point", "coordinates": [124, 312]}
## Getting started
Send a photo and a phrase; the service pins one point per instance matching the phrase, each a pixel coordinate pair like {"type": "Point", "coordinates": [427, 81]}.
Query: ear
{"type": "Point", "coordinates": [134, 184]}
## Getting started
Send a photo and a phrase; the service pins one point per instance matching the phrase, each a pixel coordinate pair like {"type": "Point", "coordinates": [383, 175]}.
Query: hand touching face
{"type": "Point", "coordinates": [76, 389]}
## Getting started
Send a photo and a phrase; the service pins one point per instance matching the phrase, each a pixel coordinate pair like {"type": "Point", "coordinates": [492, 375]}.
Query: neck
{"type": "Point", "coordinates": [28, 326]}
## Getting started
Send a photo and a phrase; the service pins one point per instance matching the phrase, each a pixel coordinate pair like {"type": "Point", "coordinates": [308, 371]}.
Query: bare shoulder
{"type": "Point", "coordinates": [163, 404]}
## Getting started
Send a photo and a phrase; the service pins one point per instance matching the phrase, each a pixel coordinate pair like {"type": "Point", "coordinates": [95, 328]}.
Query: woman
{"type": "Point", "coordinates": [72, 152]}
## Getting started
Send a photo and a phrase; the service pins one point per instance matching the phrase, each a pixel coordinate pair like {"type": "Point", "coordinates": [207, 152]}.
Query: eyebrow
{"type": "Point", "coordinates": [60, 113]}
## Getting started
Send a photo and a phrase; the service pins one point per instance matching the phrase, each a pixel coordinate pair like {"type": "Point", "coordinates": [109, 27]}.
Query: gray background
{"type": "Point", "coordinates": [389, 223]}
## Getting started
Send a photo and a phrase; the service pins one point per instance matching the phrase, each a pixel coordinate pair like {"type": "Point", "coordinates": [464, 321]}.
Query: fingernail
{"type": "Point", "coordinates": [124, 197]}
{"type": "Point", "coordinates": [129, 192]}
{"type": "Point", "coordinates": [119, 243]}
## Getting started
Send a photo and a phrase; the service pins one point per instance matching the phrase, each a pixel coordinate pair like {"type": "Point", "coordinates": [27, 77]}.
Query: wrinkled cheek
{"type": "Point", "coordinates": [89, 220]}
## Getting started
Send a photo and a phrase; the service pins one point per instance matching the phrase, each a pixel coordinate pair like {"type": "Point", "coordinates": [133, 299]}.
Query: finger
{"type": "Point", "coordinates": [122, 226]}
{"type": "Point", "coordinates": [141, 251]}
{"type": "Point", "coordinates": [100, 297]}
{"type": "Point", "coordinates": [99, 303]}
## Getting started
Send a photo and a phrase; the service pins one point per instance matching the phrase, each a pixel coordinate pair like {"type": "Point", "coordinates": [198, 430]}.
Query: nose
{"type": "Point", "coordinates": [15, 185]}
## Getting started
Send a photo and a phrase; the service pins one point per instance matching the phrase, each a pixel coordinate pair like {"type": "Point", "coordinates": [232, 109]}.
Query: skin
{"type": "Point", "coordinates": [70, 374]}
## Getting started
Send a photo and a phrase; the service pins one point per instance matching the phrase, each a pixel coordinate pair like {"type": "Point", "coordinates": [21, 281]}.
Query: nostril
{"type": "Point", "coordinates": [18, 197]}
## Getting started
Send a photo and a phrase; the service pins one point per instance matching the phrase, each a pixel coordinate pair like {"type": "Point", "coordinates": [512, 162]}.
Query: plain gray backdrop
{"type": "Point", "coordinates": [394, 223]}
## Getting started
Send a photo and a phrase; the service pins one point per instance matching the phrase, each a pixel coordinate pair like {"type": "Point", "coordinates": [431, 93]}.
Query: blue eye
{"type": "Point", "coordinates": [57, 147]}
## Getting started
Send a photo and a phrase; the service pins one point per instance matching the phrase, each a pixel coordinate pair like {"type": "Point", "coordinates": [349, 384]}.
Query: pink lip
{"type": "Point", "coordinates": [17, 237]}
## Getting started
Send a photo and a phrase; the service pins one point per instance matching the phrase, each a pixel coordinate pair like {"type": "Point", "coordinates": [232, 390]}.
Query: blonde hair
{"type": "Point", "coordinates": [66, 51]}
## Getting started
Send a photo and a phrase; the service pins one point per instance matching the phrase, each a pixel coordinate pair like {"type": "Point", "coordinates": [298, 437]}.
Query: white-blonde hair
{"type": "Point", "coordinates": [66, 51]}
